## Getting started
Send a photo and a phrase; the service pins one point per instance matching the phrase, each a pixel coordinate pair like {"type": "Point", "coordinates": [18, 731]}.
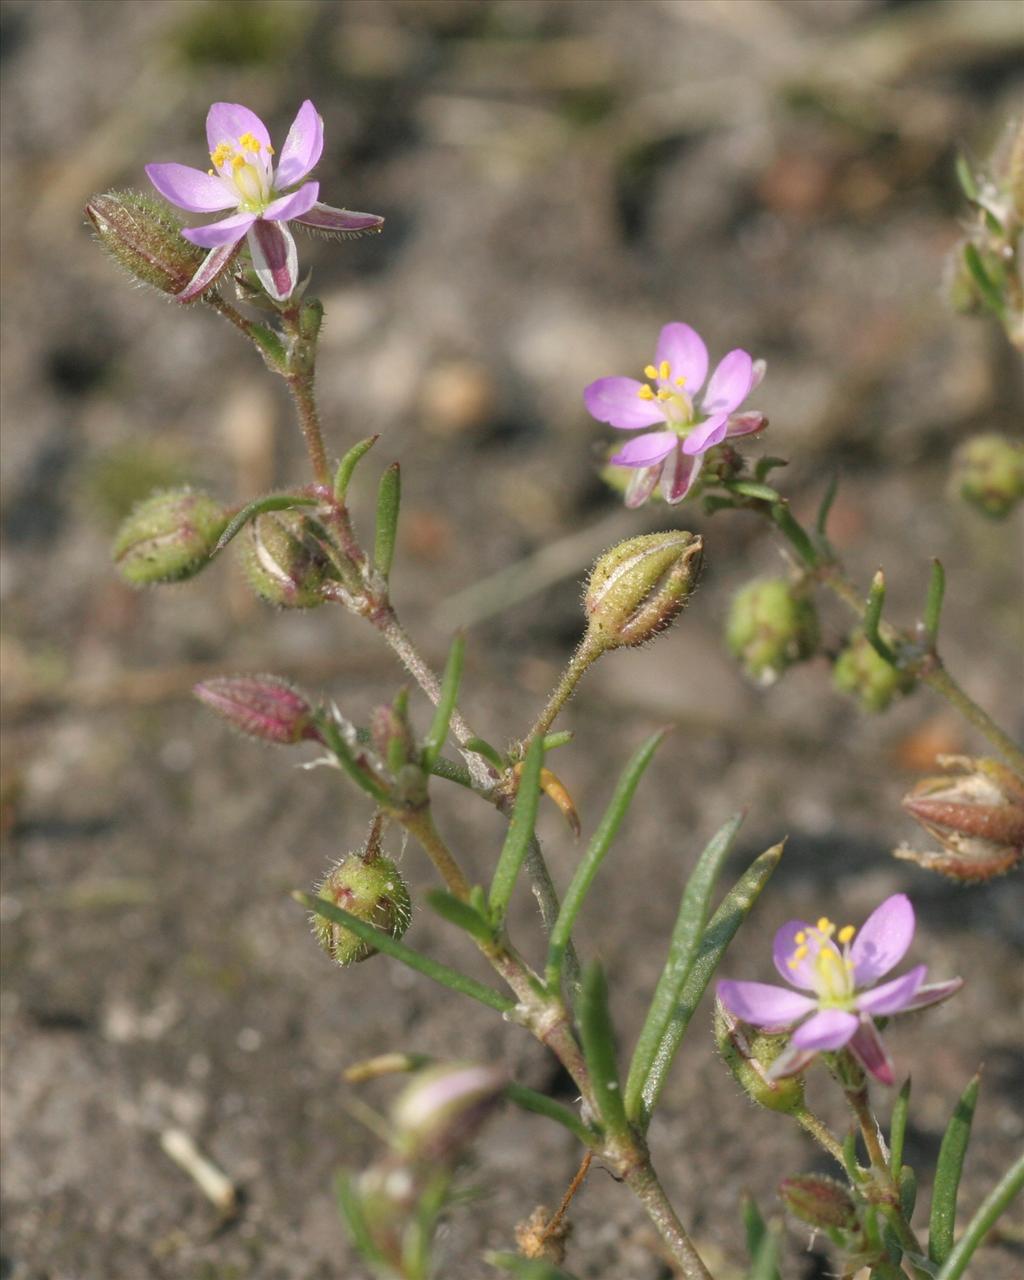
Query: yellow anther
{"type": "Point", "coordinates": [650, 371]}
{"type": "Point", "coordinates": [645, 393]}
{"type": "Point", "coordinates": [801, 936]}
{"type": "Point", "coordinates": [248, 142]}
{"type": "Point", "coordinates": [238, 162]}
{"type": "Point", "coordinates": [222, 154]}
{"type": "Point", "coordinates": [664, 370]}
{"type": "Point", "coordinates": [211, 173]}
{"type": "Point", "coordinates": [826, 926]}
{"type": "Point", "coordinates": [846, 933]}
{"type": "Point", "coordinates": [680, 381]}
{"type": "Point", "coordinates": [664, 395]}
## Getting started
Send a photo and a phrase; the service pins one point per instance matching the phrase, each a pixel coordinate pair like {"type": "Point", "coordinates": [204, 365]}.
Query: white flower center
{"type": "Point", "coordinates": [246, 171]}
{"type": "Point", "coordinates": [669, 393]}
{"type": "Point", "coordinates": [831, 970]}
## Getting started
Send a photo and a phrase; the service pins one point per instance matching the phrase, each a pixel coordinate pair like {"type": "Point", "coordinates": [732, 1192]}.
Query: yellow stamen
{"type": "Point", "coordinates": [650, 371]}
{"type": "Point", "coordinates": [248, 142]}
{"type": "Point", "coordinates": [211, 173]}
{"type": "Point", "coordinates": [680, 381]}
{"type": "Point", "coordinates": [645, 393]}
{"type": "Point", "coordinates": [664, 395]}
{"type": "Point", "coordinates": [826, 927]}
{"type": "Point", "coordinates": [223, 153]}
{"type": "Point", "coordinates": [664, 370]}
{"type": "Point", "coordinates": [846, 933]}
{"type": "Point", "coordinates": [801, 936]}
{"type": "Point", "coordinates": [238, 162]}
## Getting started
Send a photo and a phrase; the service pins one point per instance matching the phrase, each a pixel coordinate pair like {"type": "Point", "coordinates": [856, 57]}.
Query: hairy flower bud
{"type": "Point", "coordinates": [638, 587]}
{"type": "Point", "coordinates": [370, 888]}
{"type": "Point", "coordinates": [265, 707]}
{"type": "Point", "coordinates": [977, 816]}
{"type": "Point", "coordinates": [772, 624]}
{"type": "Point", "coordinates": [144, 236]}
{"type": "Point", "coordinates": [284, 562]}
{"type": "Point", "coordinates": [749, 1054]}
{"type": "Point", "coordinates": [988, 473]}
{"type": "Point", "coordinates": [443, 1107]}
{"type": "Point", "coordinates": [823, 1202]}
{"type": "Point", "coordinates": [861, 670]}
{"type": "Point", "coordinates": [392, 734]}
{"type": "Point", "coordinates": [168, 536]}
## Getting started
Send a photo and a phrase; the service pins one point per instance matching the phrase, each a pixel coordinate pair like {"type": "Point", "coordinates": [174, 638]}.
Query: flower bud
{"type": "Point", "coordinates": [265, 707]}
{"type": "Point", "coordinates": [144, 236]}
{"type": "Point", "coordinates": [772, 624]}
{"type": "Point", "coordinates": [370, 888]}
{"type": "Point", "coordinates": [749, 1054]}
{"type": "Point", "coordinates": [637, 588]}
{"type": "Point", "coordinates": [168, 536]}
{"type": "Point", "coordinates": [977, 818]}
{"type": "Point", "coordinates": [823, 1202]}
{"type": "Point", "coordinates": [284, 562]}
{"type": "Point", "coordinates": [988, 473]}
{"type": "Point", "coordinates": [443, 1107]}
{"type": "Point", "coordinates": [391, 733]}
{"type": "Point", "coordinates": [862, 671]}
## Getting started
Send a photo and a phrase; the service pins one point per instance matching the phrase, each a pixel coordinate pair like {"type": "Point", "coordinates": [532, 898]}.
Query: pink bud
{"type": "Point", "coordinates": [265, 707]}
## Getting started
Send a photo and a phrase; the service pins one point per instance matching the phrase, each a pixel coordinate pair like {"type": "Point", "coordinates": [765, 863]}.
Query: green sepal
{"type": "Point", "coordinates": [753, 489]}
{"type": "Point", "coordinates": [682, 953]}
{"type": "Point", "coordinates": [598, 1039]}
{"type": "Point", "coordinates": [389, 501]}
{"type": "Point", "coordinates": [348, 465]}
{"type": "Point", "coordinates": [520, 831]}
{"type": "Point", "coordinates": [258, 507]}
{"type": "Point", "coordinates": [461, 914]}
{"type": "Point", "coordinates": [942, 1220]}
{"type": "Point", "coordinates": [270, 347]}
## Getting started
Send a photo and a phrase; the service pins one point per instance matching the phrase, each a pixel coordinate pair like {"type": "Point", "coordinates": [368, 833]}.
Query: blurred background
{"type": "Point", "coordinates": [560, 178]}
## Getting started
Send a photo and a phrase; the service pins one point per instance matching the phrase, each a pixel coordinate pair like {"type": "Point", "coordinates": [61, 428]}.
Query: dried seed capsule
{"type": "Point", "coordinates": [370, 888]}
{"type": "Point", "coordinates": [168, 536]}
{"type": "Point", "coordinates": [637, 588]}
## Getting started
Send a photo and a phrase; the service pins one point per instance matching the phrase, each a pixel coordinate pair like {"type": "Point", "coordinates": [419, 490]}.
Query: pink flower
{"type": "Point", "coordinates": [843, 1002]}
{"type": "Point", "coordinates": [688, 424]}
{"type": "Point", "coordinates": [264, 199]}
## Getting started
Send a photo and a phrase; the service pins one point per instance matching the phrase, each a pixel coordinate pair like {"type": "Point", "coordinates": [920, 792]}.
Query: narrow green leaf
{"type": "Point", "coordinates": [460, 914]}
{"type": "Point", "coordinates": [414, 959]}
{"type": "Point", "coordinates": [947, 1174]}
{"type": "Point", "coordinates": [351, 1207]}
{"type": "Point", "coordinates": [682, 952]}
{"type": "Point", "coordinates": [752, 489]}
{"type": "Point", "coordinates": [273, 502]}
{"type": "Point", "coordinates": [898, 1128]}
{"type": "Point", "coordinates": [527, 1268]}
{"type": "Point", "coordinates": [450, 682]}
{"type": "Point", "coordinates": [998, 1199]}
{"type": "Point", "coordinates": [764, 465]}
{"type": "Point", "coordinates": [754, 1227]}
{"type": "Point", "coordinates": [594, 856]}
{"type": "Point", "coordinates": [788, 525]}
{"type": "Point", "coordinates": [542, 1105]}
{"type": "Point", "coordinates": [452, 772]}
{"type": "Point", "coordinates": [484, 748]}
{"type": "Point", "coordinates": [734, 909]}
{"type": "Point", "coordinates": [989, 292]}
{"type": "Point", "coordinates": [716, 502]}
{"type": "Point", "coordinates": [598, 1039]}
{"type": "Point", "coordinates": [873, 617]}
{"type": "Point", "coordinates": [933, 603]}
{"type": "Point", "coordinates": [348, 464]}
{"type": "Point", "coordinates": [520, 829]}
{"type": "Point", "coordinates": [968, 183]}
{"type": "Point", "coordinates": [766, 1260]}
{"type": "Point", "coordinates": [335, 742]}
{"type": "Point", "coordinates": [389, 500]}
{"type": "Point", "coordinates": [825, 506]}
{"type": "Point", "coordinates": [559, 738]}
{"type": "Point", "coordinates": [908, 1191]}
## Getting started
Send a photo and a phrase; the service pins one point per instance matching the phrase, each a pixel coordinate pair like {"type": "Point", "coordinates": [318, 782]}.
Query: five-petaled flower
{"type": "Point", "coordinates": [243, 178]}
{"type": "Point", "coordinates": [838, 970]}
{"type": "Point", "coordinates": [688, 425]}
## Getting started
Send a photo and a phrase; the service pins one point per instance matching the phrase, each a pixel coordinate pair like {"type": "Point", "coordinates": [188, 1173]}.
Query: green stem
{"type": "Point", "coordinates": [587, 653]}
{"type": "Point", "coordinates": [643, 1182]}
{"type": "Point", "coordinates": [301, 387]}
{"type": "Point", "coordinates": [821, 1134]}
{"type": "Point", "coordinates": [939, 679]}
{"type": "Point", "coordinates": [420, 823]}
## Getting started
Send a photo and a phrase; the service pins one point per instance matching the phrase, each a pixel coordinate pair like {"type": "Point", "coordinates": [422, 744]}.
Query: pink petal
{"type": "Point", "coordinates": [746, 424]}
{"type": "Point", "coordinates": [227, 231]}
{"type": "Point", "coordinates": [292, 206]}
{"type": "Point", "coordinates": [759, 370]}
{"type": "Point", "coordinates": [212, 267]}
{"type": "Point", "coordinates": [644, 450]}
{"type": "Point", "coordinates": [275, 258]}
{"type": "Point", "coordinates": [933, 993]}
{"type": "Point", "coordinates": [867, 1047]}
{"type": "Point", "coordinates": [679, 475]}
{"type": "Point", "coordinates": [783, 947]}
{"type": "Point", "coordinates": [730, 383]}
{"type": "Point", "coordinates": [883, 940]}
{"type": "Point", "coordinates": [763, 1004]}
{"type": "Point", "coordinates": [322, 217]}
{"type": "Point", "coordinates": [707, 435]}
{"type": "Point", "coordinates": [892, 997]}
{"type": "Point", "coordinates": [302, 147]}
{"type": "Point", "coordinates": [190, 188]}
{"type": "Point", "coordinates": [228, 121]}
{"type": "Point", "coordinates": [641, 485]}
{"type": "Point", "coordinates": [828, 1029]}
{"type": "Point", "coordinates": [617, 402]}
{"type": "Point", "coordinates": [686, 354]}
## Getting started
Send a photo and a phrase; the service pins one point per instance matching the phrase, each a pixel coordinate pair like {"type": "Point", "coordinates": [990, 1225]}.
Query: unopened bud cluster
{"type": "Point", "coordinates": [772, 624]}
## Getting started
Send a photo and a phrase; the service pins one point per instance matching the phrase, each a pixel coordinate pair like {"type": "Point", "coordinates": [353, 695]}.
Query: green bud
{"type": "Point", "coordinates": [144, 236]}
{"type": "Point", "coordinates": [168, 536]}
{"type": "Point", "coordinates": [772, 624]}
{"type": "Point", "coordinates": [284, 562]}
{"type": "Point", "coordinates": [988, 473]}
{"type": "Point", "coordinates": [861, 670]}
{"type": "Point", "coordinates": [637, 588]}
{"type": "Point", "coordinates": [442, 1108]}
{"type": "Point", "coordinates": [823, 1202]}
{"type": "Point", "coordinates": [370, 888]}
{"type": "Point", "coordinates": [311, 317]}
{"type": "Point", "coordinates": [749, 1054]}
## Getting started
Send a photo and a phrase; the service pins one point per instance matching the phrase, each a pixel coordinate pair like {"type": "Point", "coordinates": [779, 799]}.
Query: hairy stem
{"type": "Point", "coordinates": [587, 653]}
{"type": "Point", "coordinates": [643, 1182]}
{"type": "Point", "coordinates": [301, 387]}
